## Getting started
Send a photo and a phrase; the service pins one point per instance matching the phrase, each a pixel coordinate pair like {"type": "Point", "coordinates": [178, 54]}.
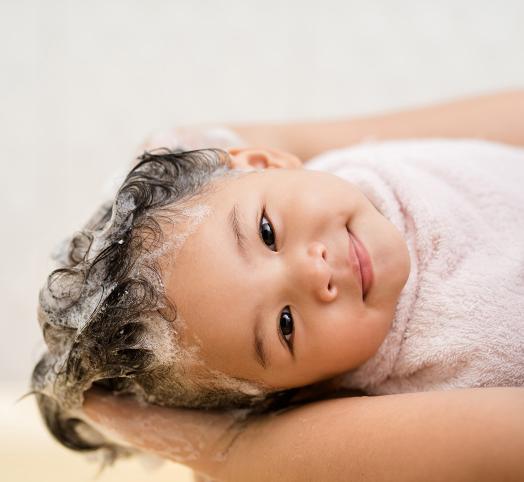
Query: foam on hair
{"type": "Point", "coordinates": [104, 314]}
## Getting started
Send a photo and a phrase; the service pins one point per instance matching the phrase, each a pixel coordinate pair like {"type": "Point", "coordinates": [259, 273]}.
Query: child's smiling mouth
{"type": "Point", "coordinates": [360, 263]}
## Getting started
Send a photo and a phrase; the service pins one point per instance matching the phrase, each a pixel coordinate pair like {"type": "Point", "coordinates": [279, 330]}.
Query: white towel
{"type": "Point", "coordinates": [459, 321]}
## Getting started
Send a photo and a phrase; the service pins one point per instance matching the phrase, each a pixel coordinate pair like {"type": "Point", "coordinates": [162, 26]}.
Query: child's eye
{"type": "Point", "coordinates": [286, 324]}
{"type": "Point", "coordinates": [266, 232]}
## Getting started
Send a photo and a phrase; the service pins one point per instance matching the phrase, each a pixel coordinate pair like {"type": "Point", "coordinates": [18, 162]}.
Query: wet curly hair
{"type": "Point", "coordinates": [105, 318]}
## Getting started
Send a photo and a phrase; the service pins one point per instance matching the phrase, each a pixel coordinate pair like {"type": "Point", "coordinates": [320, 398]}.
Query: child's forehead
{"type": "Point", "coordinates": [178, 223]}
{"type": "Point", "coordinates": [224, 187]}
{"type": "Point", "coordinates": [253, 179]}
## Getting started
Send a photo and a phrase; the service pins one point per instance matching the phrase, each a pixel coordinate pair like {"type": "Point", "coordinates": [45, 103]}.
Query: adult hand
{"type": "Point", "coordinates": [192, 137]}
{"type": "Point", "coordinates": [197, 438]}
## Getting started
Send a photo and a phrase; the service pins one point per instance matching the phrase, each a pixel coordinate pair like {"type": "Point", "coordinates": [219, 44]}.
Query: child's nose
{"type": "Point", "coordinates": [314, 273]}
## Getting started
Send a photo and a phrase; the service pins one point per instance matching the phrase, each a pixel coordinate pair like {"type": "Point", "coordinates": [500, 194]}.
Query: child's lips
{"type": "Point", "coordinates": [360, 262]}
{"type": "Point", "coordinates": [354, 262]}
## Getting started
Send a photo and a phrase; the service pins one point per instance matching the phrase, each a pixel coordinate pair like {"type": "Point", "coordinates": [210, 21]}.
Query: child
{"type": "Point", "coordinates": [203, 285]}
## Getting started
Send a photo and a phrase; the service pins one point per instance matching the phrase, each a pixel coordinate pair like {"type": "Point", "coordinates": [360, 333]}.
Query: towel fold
{"type": "Point", "coordinates": [459, 321]}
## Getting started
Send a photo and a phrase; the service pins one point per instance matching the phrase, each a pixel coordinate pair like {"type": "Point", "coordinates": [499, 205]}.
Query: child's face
{"type": "Point", "coordinates": [300, 295]}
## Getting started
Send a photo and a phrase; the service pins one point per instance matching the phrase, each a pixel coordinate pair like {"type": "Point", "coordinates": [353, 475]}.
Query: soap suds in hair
{"type": "Point", "coordinates": [181, 223]}
{"type": "Point", "coordinates": [104, 313]}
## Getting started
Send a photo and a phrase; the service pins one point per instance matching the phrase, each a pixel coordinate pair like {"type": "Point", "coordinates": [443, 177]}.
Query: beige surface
{"type": "Point", "coordinates": [28, 453]}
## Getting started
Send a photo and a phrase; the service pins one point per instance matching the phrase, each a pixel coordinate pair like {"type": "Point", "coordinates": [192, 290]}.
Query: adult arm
{"type": "Point", "coordinates": [496, 117]}
{"type": "Point", "coordinates": [463, 435]}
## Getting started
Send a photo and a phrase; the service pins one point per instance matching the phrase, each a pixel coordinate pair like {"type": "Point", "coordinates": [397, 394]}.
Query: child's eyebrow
{"type": "Point", "coordinates": [240, 237]}
{"type": "Point", "coordinates": [258, 343]}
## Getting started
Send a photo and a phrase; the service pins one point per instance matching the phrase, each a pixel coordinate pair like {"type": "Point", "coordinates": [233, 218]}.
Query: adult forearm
{"type": "Point", "coordinates": [466, 435]}
{"type": "Point", "coordinates": [497, 117]}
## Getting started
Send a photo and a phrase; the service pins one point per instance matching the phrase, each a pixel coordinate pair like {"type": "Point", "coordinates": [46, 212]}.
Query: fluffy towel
{"type": "Point", "coordinates": [459, 321]}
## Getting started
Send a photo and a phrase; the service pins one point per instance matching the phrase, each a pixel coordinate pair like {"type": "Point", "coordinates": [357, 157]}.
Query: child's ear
{"type": "Point", "coordinates": [257, 158]}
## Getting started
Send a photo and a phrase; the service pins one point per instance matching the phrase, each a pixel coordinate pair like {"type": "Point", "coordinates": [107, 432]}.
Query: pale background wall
{"type": "Point", "coordinates": [81, 84]}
